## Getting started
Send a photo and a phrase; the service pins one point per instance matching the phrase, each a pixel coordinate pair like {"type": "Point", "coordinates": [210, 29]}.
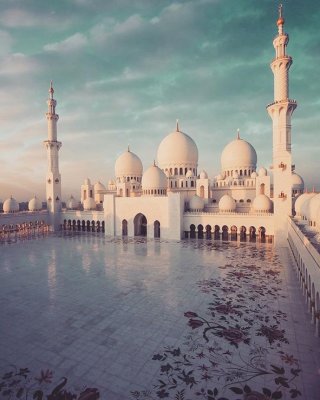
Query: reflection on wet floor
{"type": "Point", "coordinates": [153, 319]}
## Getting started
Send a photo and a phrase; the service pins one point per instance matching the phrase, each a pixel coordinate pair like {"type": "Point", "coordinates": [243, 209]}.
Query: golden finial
{"type": "Point", "coordinates": [177, 126]}
{"type": "Point", "coordinates": [51, 91]}
{"type": "Point", "coordinates": [238, 133]}
{"type": "Point", "coordinates": [280, 19]}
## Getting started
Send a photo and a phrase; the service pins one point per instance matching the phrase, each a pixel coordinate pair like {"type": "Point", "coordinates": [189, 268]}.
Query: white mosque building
{"type": "Point", "coordinates": [172, 199]}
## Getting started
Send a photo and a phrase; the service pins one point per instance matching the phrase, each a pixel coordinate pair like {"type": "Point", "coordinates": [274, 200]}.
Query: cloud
{"type": "Point", "coordinates": [72, 43]}
{"type": "Point", "coordinates": [19, 18]}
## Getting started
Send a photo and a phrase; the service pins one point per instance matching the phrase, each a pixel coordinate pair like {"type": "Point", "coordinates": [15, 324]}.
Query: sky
{"type": "Point", "coordinates": [124, 70]}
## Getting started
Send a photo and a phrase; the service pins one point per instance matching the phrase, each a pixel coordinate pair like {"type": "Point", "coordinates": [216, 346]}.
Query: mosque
{"type": "Point", "coordinates": [173, 200]}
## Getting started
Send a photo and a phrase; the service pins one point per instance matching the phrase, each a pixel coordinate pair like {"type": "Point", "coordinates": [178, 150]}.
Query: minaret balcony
{"type": "Point", "coordinates": [282, 196]}
{"type": "Point", "coordinates": [290, 101]}
{"type": "Point", "coordinates": [282, 166]}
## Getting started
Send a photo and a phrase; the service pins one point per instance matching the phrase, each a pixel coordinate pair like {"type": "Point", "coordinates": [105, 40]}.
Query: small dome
{"type": "Point", "coordinates": [128, 164]}
{"type": "Point", "coordinates": [189, 174]}
{"type": "Point", "coordinates": [111, 182]}
{"type": "Point", "coordinates": [98, 186]}
{"type": "Point", "coordinates": [196, 203]}
{"type": "Point", "coordinates": [87, 181]}
{"type": "Point", "coordinates": [34, 204]}
{"type": "Point", "coordinates": [300, 201]}
{"type": "Point", "coordinates": [314, 207]}
{"type": "Point", "coordinates": [155, 180]}
{"type": "Point", "coordinates": [72, 203]}
{"type": "Point", "coordinates": [177, 149]}
{"type": "Point", "coordinates": [262, 203]}
{"type": "Point", "coordinates": [254, 174]}
{"type": "Point", "coordinates": [297, 182]}
{"type": "Point", "coordinates": [227, 203]}
{"type": "Point", "coordinates": [89, 204]}
{"type": "Point", "coordinates": [203, 175]}
{"type": "Point", "coordinates": [262, 172]}
{"type": "Point", "coordinates": [305, 207]}
{"type": "Point", "coordinates": [10, 205]}
{"type": "Point", "coordinates": [238, 154]}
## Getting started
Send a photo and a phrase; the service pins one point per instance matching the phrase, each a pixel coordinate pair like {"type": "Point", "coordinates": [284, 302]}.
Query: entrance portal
{"type": "Point", "coordinates": [140, 225]}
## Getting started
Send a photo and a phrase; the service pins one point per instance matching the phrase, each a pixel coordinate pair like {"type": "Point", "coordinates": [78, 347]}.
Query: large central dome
{"type": "Point", "coordinates": [237, 155]}
{"type": "Point", "coordinates": [177, 150]}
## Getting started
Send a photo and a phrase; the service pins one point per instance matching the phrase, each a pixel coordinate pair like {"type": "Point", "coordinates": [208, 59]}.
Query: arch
{"type": "Point", "coordinates": [208, 232]}
{"type": "Point", "coordinates": [202, 191]}
{"type": "Point", "coordinates": [88, 226]}
{"type": "Point", "coordinates": [124, 227]}
{"type": "Point", "coordinates": [93, 226]}
{"type": "Point", "coordinates": [83, 224]}
{"type": "Point", "coordinates": [102, 226]}
{"type": "Point", "coordinates": [262, 188]}
{"type": "Point", "coordinates": [234, 231]}
{"type": "Point", "coordinates": [225, 232]}
{"type": "Point", "coordinates": [156, 228]}
{"type": "Point", "coordinates": [262, 234]}
{"type": "Point", "coordinates": [121, 192]}
{"type": "Point", "coordinates": [192, 231]}
{"type": "Point", "coordinates": [98, 226]}
{"type": "Point", "coordinates": [181, 171]}
{"type": "Point", "coordinates": [252, 233]}
{"type": "Point", "coordinates": [78, 225]}
{"type": "Point", "coordinates": [140, 225]}
{"type": "Point", "coordinates": [243, 233]}
{"type": "Point", "coordinates": [176, 171]}
{"type": "Point", "coordinates": [216, 232]}
{"type": "Point", "coordinates": [200, 231]}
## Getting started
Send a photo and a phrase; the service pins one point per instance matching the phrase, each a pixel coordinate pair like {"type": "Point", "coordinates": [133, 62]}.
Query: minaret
{"type": "Point", "coordinates": [280, 112]}
{"type": "Point", "coordinates": [53, 182]}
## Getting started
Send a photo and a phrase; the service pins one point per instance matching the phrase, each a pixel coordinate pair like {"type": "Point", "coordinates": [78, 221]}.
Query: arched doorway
{"type": "Point", "coordinates": [234, 231]}
{"type": "Point", "coordinates": [252, 234]}
{"type": "Point", "coordinates": [208, 231]}
{"type": "Point", "coordinates": [243, 231]}
{"type": "Point", "coordinates": [262, 234]}
{"type": "Point", "coordinates": [192, 231]}
{"type": "Point", "coordinates": [124, 227]}
{"type": "Point", "coordinates": [202, 191]}
{"type": "Point", "coordinates": [216, 232]}
{"type": "Point", "coordinates": [224, 232]}
{"type": "Point", "coordinates": [156, 226]}
{"type": "Point", "coordinates": [200, 231]}
{"type": "Point", "coordinates": [140, 225]}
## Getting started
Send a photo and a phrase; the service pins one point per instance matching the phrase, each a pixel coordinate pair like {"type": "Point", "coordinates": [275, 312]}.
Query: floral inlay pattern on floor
{"type": "Point", "coordinates": [18, 383]}
{"type": "Point", "coordinates": [237, 348]}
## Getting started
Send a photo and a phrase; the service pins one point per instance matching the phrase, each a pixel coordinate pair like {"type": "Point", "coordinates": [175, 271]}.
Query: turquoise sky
{"type": "Point", "coordinates": [124, 70]}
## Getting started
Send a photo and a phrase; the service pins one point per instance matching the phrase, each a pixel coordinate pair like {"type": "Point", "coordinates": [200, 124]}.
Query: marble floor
{"type": "Point", "coordinates": [87, 317]}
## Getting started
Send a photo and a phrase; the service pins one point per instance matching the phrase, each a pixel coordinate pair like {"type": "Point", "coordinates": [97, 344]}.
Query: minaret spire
{"type": "Point", "coordinates": [280, 112]}
{"type": "Point", "coordinates": [280, 21]}
{"type": "Point", "coordinates": [53, 182]}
